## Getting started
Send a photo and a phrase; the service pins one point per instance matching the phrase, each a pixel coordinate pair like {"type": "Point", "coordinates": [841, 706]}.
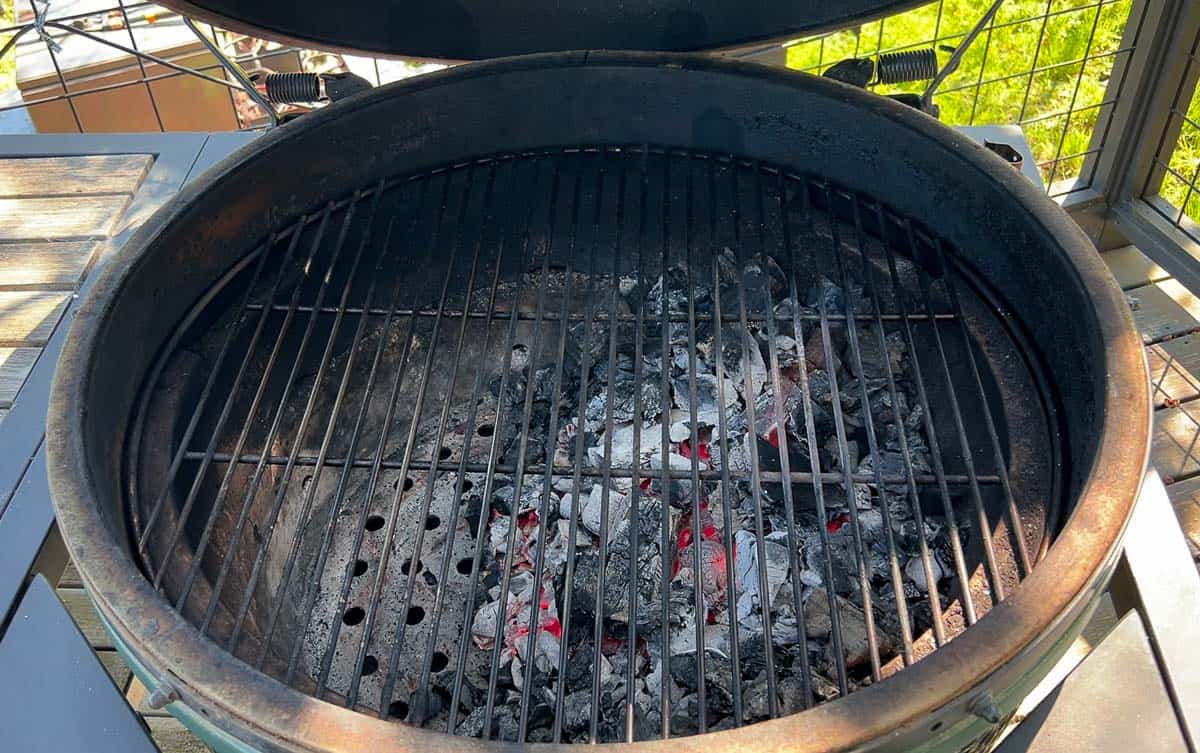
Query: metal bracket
{"type": "Point", "coordinates": [234, 70]}
{"type": "Point", "coordinates": [959, 52]}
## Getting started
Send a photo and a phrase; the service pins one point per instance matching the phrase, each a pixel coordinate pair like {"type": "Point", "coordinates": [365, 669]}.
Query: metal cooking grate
{"type": "Point", "coordinates": [361, 441]}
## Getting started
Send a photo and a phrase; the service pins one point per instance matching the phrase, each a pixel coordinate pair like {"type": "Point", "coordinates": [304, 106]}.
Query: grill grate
{"type": "Point", "coordinates": [322, 453]}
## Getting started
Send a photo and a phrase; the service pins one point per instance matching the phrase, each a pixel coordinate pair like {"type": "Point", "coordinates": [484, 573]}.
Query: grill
{"type": "Point", "coordinates": [612, 439]}
{"type": "Point", "coordinates": [334, 492]}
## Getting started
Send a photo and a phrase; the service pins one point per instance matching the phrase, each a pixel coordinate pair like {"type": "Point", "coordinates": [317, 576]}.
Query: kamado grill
{"type": "Point", "coordinates": [617, 397]}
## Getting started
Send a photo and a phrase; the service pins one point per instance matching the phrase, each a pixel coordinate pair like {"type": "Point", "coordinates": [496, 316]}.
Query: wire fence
{"type": "Point", "coordinates": [1172, 187]}
{"type": "Point", "coordinates": [1045, 65]}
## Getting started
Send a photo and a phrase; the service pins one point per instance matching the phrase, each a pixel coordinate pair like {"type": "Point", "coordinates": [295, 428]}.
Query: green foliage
{"type": "Point", "coordinates": [1044, 64]}
{"type": "Point", "coordinates": [8, 63]}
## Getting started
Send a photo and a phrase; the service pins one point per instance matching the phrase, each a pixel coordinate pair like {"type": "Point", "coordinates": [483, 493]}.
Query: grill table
{"type": "Point", "coordinates": [64, 212]}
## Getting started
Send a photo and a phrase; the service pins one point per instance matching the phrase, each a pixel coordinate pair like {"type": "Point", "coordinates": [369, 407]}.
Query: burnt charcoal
{"type": "Point", "coordinates": [791, 693]}
{"type": "Point", "coordinates": [577, 711]}
{"type": "Point", "coordinates": [826, 296]}
{"type": "Point", "coordinates": [587, 567]}
{"type": "Point", "coordinates": [471, 509]}
{"type": "Point", "coordinates": [876, 357]}
{"type": "Point", "coordinates": [710, 398]}
{"type": "Point", "coordinates": [718, 677]}
{"type": "Point", "coordinates": [508, 722]}
{"type": "Point", "coordinates": [853, 623]}
{"type": "Point", "coordinates": [684, 715]}
{"type": "Point", "coordinates": [475, 723]}
{"type": "Point", "coordinates": [579, 664]}
{"type": "Point", "coordinates": [915, 570]}
{"type": "Point", "coordinates": [756, 698]}
{"type": "Point", "coordinates": [424, 705]}
{"type": "Point", "coordinates": [541, 715]}
{"type": "Point", "coordinates": [676, 284]}
{"type": "Point", "coordinates": [624, 396]}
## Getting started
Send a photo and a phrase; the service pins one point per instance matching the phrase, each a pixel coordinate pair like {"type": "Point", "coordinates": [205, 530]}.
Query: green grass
{"type": "Point", "coordinates": [8, 63]}
{"type": "Point", "coordinates": [1044, 65]}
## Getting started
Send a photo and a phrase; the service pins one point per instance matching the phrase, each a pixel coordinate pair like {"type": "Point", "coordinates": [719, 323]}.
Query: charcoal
{"type": "Point", "coordinates": [507, 721]}
{"type": "Point", "coordinates": [424, 705]}
{"type": "Point", "coordinates": [915, 570]}
{"type": "Point", "coordinates": [685, 714]}
{"type": "Point", "coordinates": [826, 296]}
{"type": "Point", "coordinates": [709, 397]}
{"type": "Point", "coordinates": [756, 698]}
{"type": "Point", "coordinates": [577, 711]}
{"type": "Point", "coordinates": [746, 571]}
{"type": "Point", "coordinates": [475, 723]}
{"type": "Point", "coordinates": [624, 398]}
{"type": "Point", "coordinates": [818, 624]}
{"type": "Point", "coordinates": [722, 389]}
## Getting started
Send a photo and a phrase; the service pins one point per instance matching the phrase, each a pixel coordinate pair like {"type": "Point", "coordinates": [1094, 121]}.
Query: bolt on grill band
{"type": "Point", "coordinates": [592, 445]}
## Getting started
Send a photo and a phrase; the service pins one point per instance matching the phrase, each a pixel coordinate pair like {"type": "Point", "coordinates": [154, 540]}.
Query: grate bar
{"type": "Point", "coordinates": [606, 477]}
{"type": "Point", "coordinates": [873, 443]}
{"type": "Point", "coordinates": [727, 512]}
{"type": "Point", "coordinates": [935, 606]}
{"type": "Point", "coordinates": [989, 548]}
{"type": "Point", "coordinates": [839, 421]}
{"type": "Point", "coordinates": [665, 450]}
{"type": "Point", "coordinates": [748, 347]}
{"type": "Point", "coordinates": [551, 446]}
{"type": "Point", "coordinates": [518, 477]}
{"type": "Point", "coordinates": [389, 681]}
{"type": "Point", "coordinates": [409, 447]}
{"type": "Point", "coordinates": [309, 406]}
{"type": "Point", "coordinates": [827, 477]}
{"type": "Point", "coordinates": [635, 488]}
{"type": "Point", "coordinates": [698, 573]}
{"type": "Point", "coordinates": [326, 665]}
{"type": "Point", "coordinates": [776, 370]}
{"type": "Point", "coordinates": [343, 386]}
{"type": "Point", "coordinates": [580, 452]}
{"type": "Point", "coordinates": [960, 562]}
{"type": "Point", "coordinates": [550, 316]}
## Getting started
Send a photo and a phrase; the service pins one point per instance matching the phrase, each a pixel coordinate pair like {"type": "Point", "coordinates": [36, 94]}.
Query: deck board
{"type": "Point", "coordinates": [42, 218]}
{"type": "Point", "coordinates": [27, 318]}
{"type": "Point", "coordinates": [1132, 268]}
{"type": "Point", "coordinates": [72, 176]}
{"type": "Point", "coordinates": [1185, 498]}
{"type": "Point", "coordinates": [45, 265]}
{"type": "Point", "coordinates": [79, 606]}
{"type": "Point", "coordinates": [15, 364]}
{"type": "Point", "coordinates": [1158, 315]}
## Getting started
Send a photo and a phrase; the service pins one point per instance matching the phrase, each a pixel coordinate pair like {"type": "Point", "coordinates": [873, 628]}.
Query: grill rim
{"type": "Point", "coordinates": [1011, 637]}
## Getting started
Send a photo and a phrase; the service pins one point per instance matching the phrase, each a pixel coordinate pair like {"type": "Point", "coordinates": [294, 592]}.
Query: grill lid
{"type": "Point", "coordinates": [477, 29]}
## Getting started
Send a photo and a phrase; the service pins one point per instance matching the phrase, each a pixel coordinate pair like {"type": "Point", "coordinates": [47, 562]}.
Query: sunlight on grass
{"type": "Point", "coordinates": [1044, 64]}
{"type": "Point", "coordinates": [8, 63]}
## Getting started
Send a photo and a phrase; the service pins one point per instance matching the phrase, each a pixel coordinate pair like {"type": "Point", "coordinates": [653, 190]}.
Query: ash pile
{"type": "Point", "coordinates": [661, 565]}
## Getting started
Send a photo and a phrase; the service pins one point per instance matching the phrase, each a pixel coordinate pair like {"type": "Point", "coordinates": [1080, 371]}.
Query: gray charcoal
{"type": "Point", "coordinates": [756, 698]}
{"type": "Point", "coordinates": [474, 723]}
{"type": "Point", "coordinates": [577, 710]}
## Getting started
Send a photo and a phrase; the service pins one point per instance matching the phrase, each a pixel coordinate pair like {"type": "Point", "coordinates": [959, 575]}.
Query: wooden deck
{"type": "Point", "coordinates": [56, 213]}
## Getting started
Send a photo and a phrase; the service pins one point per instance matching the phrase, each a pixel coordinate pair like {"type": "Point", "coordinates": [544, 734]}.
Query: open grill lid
{"type": "Point", "coordinates": [477, 29]}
